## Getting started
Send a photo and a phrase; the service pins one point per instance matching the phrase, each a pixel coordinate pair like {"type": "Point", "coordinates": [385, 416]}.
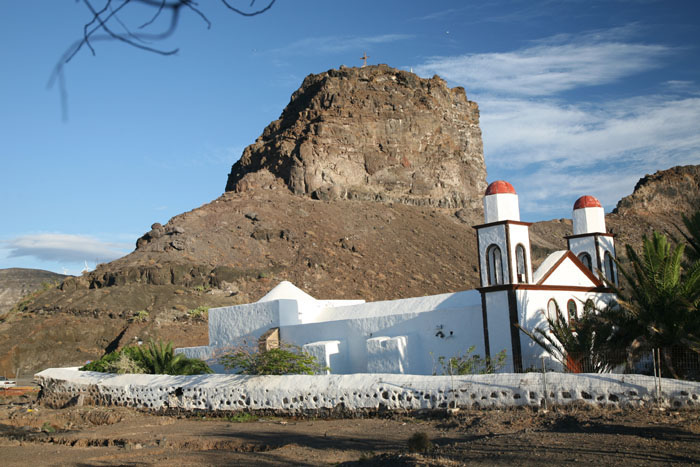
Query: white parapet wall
{"type": "Point", "coordinates": [300, 394]}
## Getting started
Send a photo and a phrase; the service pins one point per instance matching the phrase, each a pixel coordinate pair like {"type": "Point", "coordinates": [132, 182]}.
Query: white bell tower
{"type": "Point", "coordinates": [503, 240]}
{"type": "Point", "coordinates": [590, 242]}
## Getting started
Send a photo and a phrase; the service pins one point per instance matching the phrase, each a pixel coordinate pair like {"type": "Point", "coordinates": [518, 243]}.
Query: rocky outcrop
{"type": "Point", "coordinates": [16, 283]}
{"type": "Point", "coordinates": [372, 133]}
{"type": "Point", "coordinates": [676, 190]}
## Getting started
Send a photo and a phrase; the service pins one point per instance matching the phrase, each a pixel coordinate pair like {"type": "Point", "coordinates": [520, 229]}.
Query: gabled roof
{"type": "Point", "coordinates": [286, 290]}
{"type": "Point", "coordinates": [563, 268]}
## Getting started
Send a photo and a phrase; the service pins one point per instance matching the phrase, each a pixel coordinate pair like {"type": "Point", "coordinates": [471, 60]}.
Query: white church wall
{"type": "Point", "coordinates": [314, 312]}
{"type": "Point", "coordinates": [581, 244]}
{"type": "Point", "coordinates": [588, 220]}
{"type": "Point", "coordinates": [386, 354]}
{"type": "Point", "coordinates": [325, 352]}
{"type": "Point", "coordinates": [500, 207]}
{"type": "Point", "coordinates": [488, 236]}
{"type": "Point", "coordinates": [520, 234]}
{"type": "Point", "coordinates": [405, 305]}
{"type": "Point", "coordinates": [606, 243]}
{"type": "Point", "coordinates": [228, 325]}
{"type": "Point", "coordinates": [498, 318]}
{"type": "Point", "coordinates": [568, 274]}
{"type": "Point", "coordinates": [442, 332]}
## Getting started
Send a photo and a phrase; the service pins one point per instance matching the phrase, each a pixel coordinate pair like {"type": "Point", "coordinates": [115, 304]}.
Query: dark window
{"type": "Point", "coordinates": [586, 260]}
{"type": "Point", "coordinates": [494, 265]}
{"type": "Point", "coordinates": [609, 266]}
{"type": "Point", "coordinates": [571, 310]}
{"type": "Point", "coordinates": [520, 264]}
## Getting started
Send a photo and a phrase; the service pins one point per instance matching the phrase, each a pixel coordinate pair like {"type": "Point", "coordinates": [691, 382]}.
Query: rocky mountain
{"type": "Point", "coordinates": [330, 198]}
{"type": "Point", "coordinates": [667, 192]}
{"type": "Point", "coordinates": [16, 283]}
{"type": "Point", "coordinates": [372, 133]}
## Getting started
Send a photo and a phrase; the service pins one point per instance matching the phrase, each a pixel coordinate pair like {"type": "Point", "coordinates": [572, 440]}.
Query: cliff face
{"type": "Point", "coordinates": [676, 190]}
{"type": "Point", "coordinates": [16, 283]}
{"type": "Point", "coordinates": [373, 133]}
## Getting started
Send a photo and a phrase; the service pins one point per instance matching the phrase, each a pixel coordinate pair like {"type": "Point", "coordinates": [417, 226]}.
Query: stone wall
{"type": "Point", "coordinates": [345, 394]}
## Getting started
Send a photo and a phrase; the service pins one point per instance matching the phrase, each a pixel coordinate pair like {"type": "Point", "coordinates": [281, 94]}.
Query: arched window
{"type": "Point", "coordinates": [586, 260]}
{"type": "Point", "coordinates": [520, 264]}
{"type": "Point", "coordinates": [494, 265]}
{"type": "Point", "coordinates": [609, 267]}
{"type": "Point", "coordinates": [571, 311]}
{"type": "Point", "coordinates": [552, 310]}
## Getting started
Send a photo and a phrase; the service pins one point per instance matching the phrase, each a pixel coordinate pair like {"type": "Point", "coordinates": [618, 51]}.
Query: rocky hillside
{"type": "Point", "coordinates": [364, 229]}
{"type": "Point", "coordinates": [665, 193]}
{"type": "Point", "coordinates": [16, 283]}
{"type": "Point", "coordinates": [372, 133]}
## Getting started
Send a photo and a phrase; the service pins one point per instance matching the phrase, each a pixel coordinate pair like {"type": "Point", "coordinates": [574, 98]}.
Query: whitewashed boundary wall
{"type": "Point", "coordinates": [300, 394]}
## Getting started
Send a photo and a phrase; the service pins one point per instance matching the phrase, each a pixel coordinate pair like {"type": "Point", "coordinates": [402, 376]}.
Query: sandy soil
{"type": "Point", "coordinates": [33, 434]}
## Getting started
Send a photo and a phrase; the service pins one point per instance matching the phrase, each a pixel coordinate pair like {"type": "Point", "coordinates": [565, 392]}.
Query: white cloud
{"type": "Point", "coordinates": [580, 135]}
{"type": "Point", "coordinates": [65, 247]}
{"type": "Point", "coordinates": [553, 149]}
{"type": "Point", "coordinates": [550, 67]}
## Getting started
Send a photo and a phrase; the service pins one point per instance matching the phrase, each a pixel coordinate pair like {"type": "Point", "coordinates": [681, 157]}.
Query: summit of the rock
{"type": "Point", "coordinates": [371, 133]}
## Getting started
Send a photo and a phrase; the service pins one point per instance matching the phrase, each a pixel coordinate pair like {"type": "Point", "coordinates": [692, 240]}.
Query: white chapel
{"type": "Point", "coordinates": [408, 335]}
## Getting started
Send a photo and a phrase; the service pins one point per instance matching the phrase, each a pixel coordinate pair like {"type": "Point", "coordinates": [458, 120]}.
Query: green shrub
{"type": "Point", "coordinates": [156, 358]}
{"type": "Point", "coordinates": [242, 417]}
{"type": "Point", "coordinates": [199, 313]}
{"type": "Point", "coordinates": [48, 428]}
{"type": "Point", "coordinates": [109, 362]}
{"type": "Point", "coordinates": [283, 361]}
{"type": "Point", "coordinates": [469, 364]}
{"type": "Point", "coordinates": [141, 316]}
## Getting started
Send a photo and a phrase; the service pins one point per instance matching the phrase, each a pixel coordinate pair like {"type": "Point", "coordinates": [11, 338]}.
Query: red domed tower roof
{"type": "Point", "coordinates": [500, 186]}
{"type": "Point", "coordinates": [587, 202]}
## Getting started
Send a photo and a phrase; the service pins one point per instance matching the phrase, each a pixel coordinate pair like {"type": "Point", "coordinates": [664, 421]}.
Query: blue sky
{"type": "Point", "coordinates": [576, 97]}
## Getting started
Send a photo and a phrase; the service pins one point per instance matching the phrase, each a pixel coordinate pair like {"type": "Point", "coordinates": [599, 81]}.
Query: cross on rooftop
{"type": "Point", "coordinates": [364, 57]}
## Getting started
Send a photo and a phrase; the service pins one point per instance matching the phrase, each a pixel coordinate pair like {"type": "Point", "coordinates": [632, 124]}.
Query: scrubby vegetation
{"type": "Point", "coordinates": [289, 360]}
{"type": "Point", "coordinates": [199, 313]}
{"type": "Point", "coordinates": [155, 358]}
{"type": "Point", "coordinates": [469, 364]}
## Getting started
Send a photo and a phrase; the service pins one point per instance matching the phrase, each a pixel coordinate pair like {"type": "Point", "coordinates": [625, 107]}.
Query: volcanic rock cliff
{"type": "Point", "coordinates": [667, 192]}
{"type": "Point", "coordinates": [372, 133]}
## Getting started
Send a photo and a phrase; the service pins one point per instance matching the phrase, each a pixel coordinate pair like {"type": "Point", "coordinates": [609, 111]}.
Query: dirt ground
{"type": "Point", "coordinates": [33, 434]}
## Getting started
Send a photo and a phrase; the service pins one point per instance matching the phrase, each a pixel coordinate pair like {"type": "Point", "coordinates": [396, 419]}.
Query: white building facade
{"type": "Point", "coordinates": [409, 335]}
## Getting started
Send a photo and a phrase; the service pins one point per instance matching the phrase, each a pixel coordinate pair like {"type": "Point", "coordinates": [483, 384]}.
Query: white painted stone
{"type": "Point", "coordinates": [303, 394]}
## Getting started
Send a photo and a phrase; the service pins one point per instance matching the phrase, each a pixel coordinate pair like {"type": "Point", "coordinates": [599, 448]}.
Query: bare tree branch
{"type": "Point", "coordinates": [98, 29]}
{"type": "Point", "coordinates": [254, 13]}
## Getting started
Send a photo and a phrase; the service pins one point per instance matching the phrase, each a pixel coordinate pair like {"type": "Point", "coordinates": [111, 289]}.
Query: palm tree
{"type": "Point", "coordinates": [659, 308]}
{"type": "Point", "coordinates": [581, 346]}
{"type": "Point", "coordinates": [159, 358]}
